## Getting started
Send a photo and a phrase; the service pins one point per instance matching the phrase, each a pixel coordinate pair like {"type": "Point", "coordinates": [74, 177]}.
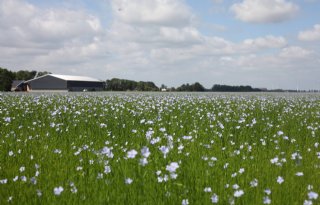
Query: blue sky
{"type": "Point", "coordinates": [263, 43]}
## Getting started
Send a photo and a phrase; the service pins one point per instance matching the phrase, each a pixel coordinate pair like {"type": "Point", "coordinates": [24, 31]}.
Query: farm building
{"type": "Point", "coordinates": [53, 82]}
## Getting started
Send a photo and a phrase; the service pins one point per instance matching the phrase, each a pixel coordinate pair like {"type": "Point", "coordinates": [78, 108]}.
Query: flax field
{"type": "Point", "coordinates": [165, 148]}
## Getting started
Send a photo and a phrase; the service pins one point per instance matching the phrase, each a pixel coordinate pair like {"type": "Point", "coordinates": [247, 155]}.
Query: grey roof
{"type": "Point", "coordinates": [15, 83]}
{"type": "Point", "coordinates": [70, 78]}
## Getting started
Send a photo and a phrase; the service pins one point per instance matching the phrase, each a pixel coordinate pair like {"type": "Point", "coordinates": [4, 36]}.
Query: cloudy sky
{"type": "Point", "coordinates": [263, 43]}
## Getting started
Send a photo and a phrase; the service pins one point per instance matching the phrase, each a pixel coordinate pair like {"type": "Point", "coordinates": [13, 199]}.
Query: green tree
{"type": "Point", "coordinates": [116, 84]}
{"type": "Point", "coordinates": [196, 87]}
{"type": "Point", "coordinates": [228, 88]}
{"type": "Point", "coordinates": [6, 78]}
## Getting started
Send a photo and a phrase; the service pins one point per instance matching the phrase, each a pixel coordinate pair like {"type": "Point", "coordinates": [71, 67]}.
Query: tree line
{"type": "Point", "coordinates": [116, 84]}
{"type": "Point", "coordinates": [228, 88]}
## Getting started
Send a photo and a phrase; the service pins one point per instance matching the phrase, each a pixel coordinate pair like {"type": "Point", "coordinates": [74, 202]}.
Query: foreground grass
{"type": "Point", "coordinates": [159, 149]}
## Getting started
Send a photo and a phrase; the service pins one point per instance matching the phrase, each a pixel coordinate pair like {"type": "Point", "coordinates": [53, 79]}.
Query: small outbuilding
{"type": "Point", "coordinates": [54, 82]}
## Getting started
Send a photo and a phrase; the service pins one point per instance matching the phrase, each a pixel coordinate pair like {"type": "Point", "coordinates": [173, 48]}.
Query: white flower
{"type": "Point", "coordinates": [107, 169]}
{"type": "Point", "coordinates": [100, 176]}
{"type": "Point", "coordinates": [22, 169]}
{"type": "Point", "coordinates": [280, 180]}
{"type": "Point", "coordinates": [145, 152]}
{"type": "Point", "coordinates": [23, 178]}
{"type": "Point", "coordinates": [173, 175]}
{"type": "Point", "coordinates": [10, 199]}
{"type": "Point", "coordinates": [307, 202]}
{"type": "Point", "coordinates": [274, 160]}
{"type": "Point", "coordinates": [312, 195]}
{"type": "Point", "coordinates": [235, 186]}
{"type": "Point", "coordinates": [299, 174]}
{"type": "Point", "coordinates": [57, 190]}
{"type": "Point", "coordinates": [74, 190]}
{"type": "Point", "coordinates": [180, 147]}
{"type": "Point", "coordinates": [234, 175]}
{"type": "Point", "coordinates": [207, 189]}
{"type": "Point", "coordinates": [241, 170]}
{"type": "Point", "coordinates": [267, 191]}
{"type": "Point", "coordinates": [15, 178]}
{"type": "Point", "coordinates": [57, 151]}
{"type": "Point", "coordinates": [164, 150]}
{"type": "Point", "coordinates": [143, 161]}
{"type": "Point", "coordinates": [238, 193]}
{"type": "Point", "coordinates": [160, 179]}
{"type": "Point", "coordinates": [132, 154]}
{"type": "Point", "coordinates": [280, 133]}
{"type": "Point", "coordinates": [172, 167]}
{"type": "Point", "coordinates": [107, 151]}
{"type": "Point", "coordinates": [3, 181]}
{"type": "Point", "coordinates": [39, 193]}
{"type": "Point", "coordinates": [33, 180]}
{"type": "Point", "coordinates": [214, 198]}
{"type": "Point", "coordinates": [102, 125]}
{"type": "Point", "coordinates": [254, 183]}
{"type": "Point", "coordinates": [185, 202]}
{"type": "Point", "coordinates": [266, 200]}
{"type": "Point", "coordinates": [36, 166]}
{"type": "Point", "coordinates": [128, 180]}
{"type": "Point", "coordinates": [187, 137]}
{"type": "Point", "coordinates": [10, 153]}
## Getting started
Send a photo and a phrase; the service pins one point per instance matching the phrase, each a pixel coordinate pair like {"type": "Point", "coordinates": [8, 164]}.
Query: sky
{"type": "Point", "coordinates": [263, 43]}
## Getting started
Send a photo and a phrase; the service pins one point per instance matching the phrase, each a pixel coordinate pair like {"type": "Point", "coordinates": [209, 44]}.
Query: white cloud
{"type": "Point", "coordinates": [264, 11]}
{"type": "Point", "coordinates": [310, 35]}
{"type": "Point", "coordinates": [294, 52]}
{"type": "Point", "coordinates": [155, 12]}
{"type": "Point", "coordinates": [23, 22]}
{"type": "Point", "coordinates": [264, 42]}
{"type": "Point", "coordinates": [62, 25]}
{"type": "Point", "coordinates": [174, 35]}
{"type": "Point", "coordinates": [43, 37]}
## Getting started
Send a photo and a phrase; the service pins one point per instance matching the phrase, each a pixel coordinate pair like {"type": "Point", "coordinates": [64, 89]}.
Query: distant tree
{"type": "Point", "coordinates": [43, 73]}
{"type": "Point", "coordinates": [25, 75]}
{"type": "Point", "coordinates": [196, 87]}
{"type": "Point", "coordinates": [163, 86]}
{"type": "Point", "coordinates": [116, 84]}
{"type": "Point", "coordinates": [228, 88]}
{"type": "Point", "coordinates": [6, 78]}
{"type": "Point", "coordinates": [172, 89]}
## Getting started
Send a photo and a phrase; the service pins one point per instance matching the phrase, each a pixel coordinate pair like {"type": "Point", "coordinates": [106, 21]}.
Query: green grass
{"type": "Point", "coordinates": [58, 140]}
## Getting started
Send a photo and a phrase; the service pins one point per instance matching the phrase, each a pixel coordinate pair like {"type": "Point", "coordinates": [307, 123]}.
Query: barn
{"type": "Point", "coordinates": [54, 82]}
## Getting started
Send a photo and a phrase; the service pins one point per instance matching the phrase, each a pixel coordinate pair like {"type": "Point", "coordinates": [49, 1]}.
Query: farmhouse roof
{"type": "Point", "coordinates": [15, 83]}
{"type": "Point", "coordinates": [70, 78]}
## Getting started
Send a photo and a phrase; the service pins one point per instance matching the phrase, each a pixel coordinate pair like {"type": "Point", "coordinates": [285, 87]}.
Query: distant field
{"type": "Point", "coordinates": [160, 148]}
